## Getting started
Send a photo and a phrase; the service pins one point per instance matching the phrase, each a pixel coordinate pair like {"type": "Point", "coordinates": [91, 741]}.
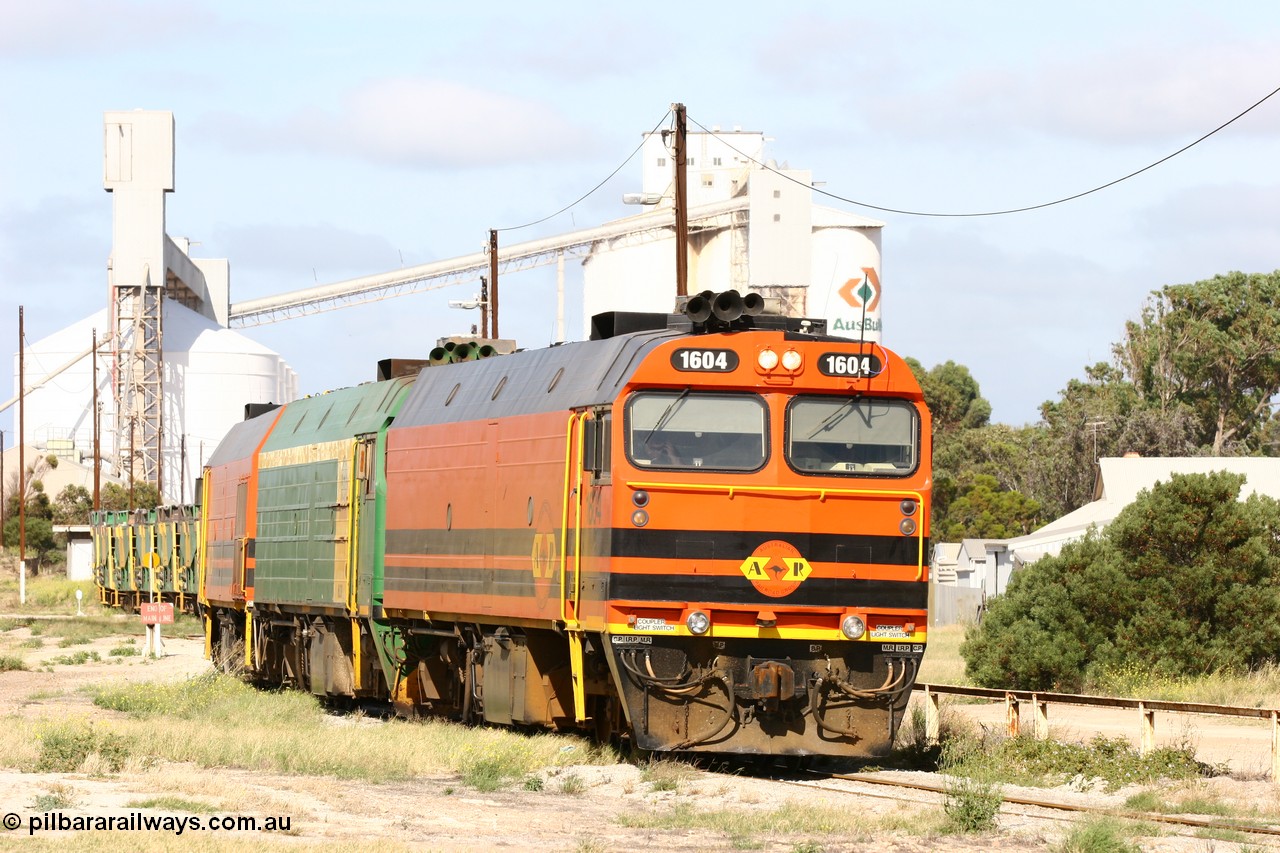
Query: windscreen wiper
{"type": "Point", "coordinates": [666, 414]}
{"type": "Point", "coordinates": [834, 418]}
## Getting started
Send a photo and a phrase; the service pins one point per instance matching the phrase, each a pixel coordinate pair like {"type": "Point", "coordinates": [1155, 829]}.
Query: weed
{"type": "Point", "coordinates": [748, 828]}
{"type": "Point", "coordinates": [973, 797]}
{"type": "Point", "coordinates": [486, 774]}
{"type": "Point", "coordinates": [1028, 761]}
{"type": "Point", "coordinates": [68, 642]}
{"type": "Point", "coordinates": [533, 783]}
{"type": "Point", "coordinates": [124, 651]}
{"type": "Point", "coordinates": [573, 784]}
{"type": "Point", "coordinates": [972, 804]}
{"type": "Point", "coordinates": [666, 775]}
{"type": "Point", "coordinates": [56, 796]}
{"type": "Point", "coordinates": [10, 623]}
{"type": "Point", "coordinates": [171, 803]}
{"type": "Point", "coordinates": [12, 663]}
{"type": "Point", "coordinates": [31, 643]}
{"type": "Point", "coordinates": [80, 657]}
{"type": "Point", "coordinates": [1150, 801]}
{"type": "Point", "coordinates": [807, 847]}
{"type": "Point", "coordinates": [1103, 835]}
{"type": "Point", "coordinates": [63, 748]}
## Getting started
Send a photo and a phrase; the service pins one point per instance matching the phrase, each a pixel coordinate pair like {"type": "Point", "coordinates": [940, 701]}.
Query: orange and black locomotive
{"type": "Point", "coordinates": [704, 531]}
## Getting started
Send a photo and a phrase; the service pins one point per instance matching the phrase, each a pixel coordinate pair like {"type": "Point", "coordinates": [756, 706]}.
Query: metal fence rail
{"type": "Point", "coordinates": [1040, 701]}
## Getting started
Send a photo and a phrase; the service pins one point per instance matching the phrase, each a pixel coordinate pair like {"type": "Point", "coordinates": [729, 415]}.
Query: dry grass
{"type": "Point", "coordinates": [794, 820]}
{"type": "Point", "coordinates": [942, 662]}
{"type": "Point", "coordinates": [215, 721]}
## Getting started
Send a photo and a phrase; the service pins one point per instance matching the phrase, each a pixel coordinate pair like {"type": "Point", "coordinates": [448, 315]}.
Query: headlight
{"type": "Point", "coordinates": [791, 360]}
{"type": "Point", "coordinates": [852, 627]}
{"type": "Point", "coordinates": [767, 359]}
{"type": "Point", "coordinates": [698, 622]}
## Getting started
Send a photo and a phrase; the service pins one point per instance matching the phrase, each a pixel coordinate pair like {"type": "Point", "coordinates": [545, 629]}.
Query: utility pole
{"type": "Point", "coordinates": [1093, 427]}
{"type": "Point", "coordinates": [681, 203]}
{"type": "Point", "coordinates": [484, 306]}
{"type": "Point", "coordinates": [493, 281]}
{"type": "Point", "coordinates": [131, 460]}
{"type": "Point", "coordinates": [97, 466]}
{"type": "Point", "coordinates": [2, 492]}
{"type": "Point", "coordinates": [22, 463]}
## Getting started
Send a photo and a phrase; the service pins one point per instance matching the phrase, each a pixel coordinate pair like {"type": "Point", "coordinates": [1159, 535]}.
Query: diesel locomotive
{"type": "Point", "coordinates": [704, 531]}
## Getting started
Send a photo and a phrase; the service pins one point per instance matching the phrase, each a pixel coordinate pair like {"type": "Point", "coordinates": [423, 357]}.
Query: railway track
{"type": "Point", "coordinates": [1034, 808]}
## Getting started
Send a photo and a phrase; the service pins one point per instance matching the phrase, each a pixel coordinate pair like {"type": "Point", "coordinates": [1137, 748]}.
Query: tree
{"type": "Point", "coordinates": [952, 395]}
{"type": "Point", "coordinates": [72, 506]}
{"type": "Point", "coordinates": [982, 510]}
{"type": "Point", "coordinates": [1184, 581]}
{"type": "Point", "coordinates": [1213, 346]}
{"type": "Point", "coordinates": [1102, 415]}
{"type": "Point", "coordinates": [116, 497]}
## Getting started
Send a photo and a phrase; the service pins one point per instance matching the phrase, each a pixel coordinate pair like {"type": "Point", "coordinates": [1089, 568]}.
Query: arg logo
{"type": "Point", "coordinates": [776, 568]}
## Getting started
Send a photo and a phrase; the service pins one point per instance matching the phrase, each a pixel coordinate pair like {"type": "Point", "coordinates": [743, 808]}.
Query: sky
{"type": "Point", "coordinates": [320, 141]}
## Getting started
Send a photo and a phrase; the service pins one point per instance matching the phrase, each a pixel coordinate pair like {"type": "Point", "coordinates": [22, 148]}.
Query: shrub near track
{"type": "Point", "coordinates": [1184, 581]}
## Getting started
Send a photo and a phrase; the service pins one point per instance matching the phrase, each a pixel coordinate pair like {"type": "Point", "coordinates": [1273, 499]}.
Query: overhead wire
{"type": "Point", "coordinates": [591, 191]}
{"type": "Point", "coordinates": [1025, 209]}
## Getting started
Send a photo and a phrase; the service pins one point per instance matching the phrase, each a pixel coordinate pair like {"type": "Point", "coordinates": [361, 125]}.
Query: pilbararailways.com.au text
{"type": "Point", "coordinates": [141, 822]}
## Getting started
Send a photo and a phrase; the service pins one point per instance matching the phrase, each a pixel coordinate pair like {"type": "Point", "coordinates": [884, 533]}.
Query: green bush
{"type": "Point", "coordinates": [1183, 581]}
{"type": "Point", "coordinates": [64, 748]}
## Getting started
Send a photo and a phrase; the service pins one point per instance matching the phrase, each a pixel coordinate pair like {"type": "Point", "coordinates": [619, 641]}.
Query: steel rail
{"type": "Point", "coordinates": [1031, 802]}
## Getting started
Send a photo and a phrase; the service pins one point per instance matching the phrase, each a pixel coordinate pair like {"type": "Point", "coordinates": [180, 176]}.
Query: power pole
{"type": "Point", "coordinates": [681, 203]}
{"type": "Point", "coordinates": [484, 306]}
{"type": "Point", "coordinates": [22, 464]}
{"type": "Point", "coordinates": [97, 466]}
{"type": "Point", "coordinates": [493, 281]}
{"type": "Point", "coordinates": [1094, 426]}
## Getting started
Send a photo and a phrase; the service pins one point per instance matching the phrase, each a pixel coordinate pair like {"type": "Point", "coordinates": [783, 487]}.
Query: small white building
{"type": "Point", "coordinates": [1118, 483]}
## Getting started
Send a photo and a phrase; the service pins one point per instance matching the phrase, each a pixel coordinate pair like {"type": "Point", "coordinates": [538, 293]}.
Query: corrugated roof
{"type": "Point", "coordinates": [1120, 480]}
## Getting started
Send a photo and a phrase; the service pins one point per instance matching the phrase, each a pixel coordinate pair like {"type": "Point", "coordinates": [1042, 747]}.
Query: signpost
{"type": "Point", "coordinates": [155, 614]}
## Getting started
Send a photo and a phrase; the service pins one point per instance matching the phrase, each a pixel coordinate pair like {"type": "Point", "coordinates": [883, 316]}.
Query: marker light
{"type": "Point", "coordinates": [908, 526]}
{"type": "Point", "coordinates": [908, 506]}
{"type": "Point", "coordinates": [767, 359]}
{"type": "Point", "coordinates": [853, 627]}
{"type": "Point", "coordinates": [639, 518]}
{"type": "Point", "coordinates": [698, 622]}
{"type": "Point", "coordinates": [791, 360]}
{"type": "Point", "coordinates": [640, 498]}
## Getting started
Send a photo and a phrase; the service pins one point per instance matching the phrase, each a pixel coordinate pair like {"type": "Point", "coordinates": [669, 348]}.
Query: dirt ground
{"type": "Point", "coordinates": [443, 814]}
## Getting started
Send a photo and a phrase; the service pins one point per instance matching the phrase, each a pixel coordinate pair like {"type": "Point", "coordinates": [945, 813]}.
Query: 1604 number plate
{"type": "Point", "coordinates": [849, 364]}
{"type": "Point", "coordinates": [704, 360]}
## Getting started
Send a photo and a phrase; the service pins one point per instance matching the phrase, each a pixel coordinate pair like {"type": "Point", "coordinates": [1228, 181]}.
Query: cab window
{"type": "Point", "coordinates": [687, 429]}
{"type": "Point", "coordinates": [854, 435]}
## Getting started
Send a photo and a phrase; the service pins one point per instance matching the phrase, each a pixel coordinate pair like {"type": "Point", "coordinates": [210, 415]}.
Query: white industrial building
{"type": "Point", "coordinates": [753, 226]}
{"type": "Point", "coordinates": [172, 378]}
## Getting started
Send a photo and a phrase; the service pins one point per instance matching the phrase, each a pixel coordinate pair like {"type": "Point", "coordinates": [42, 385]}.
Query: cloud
{"type": "Point", "coordinates": [54, 238]}
{"type": "Point", "coordinates": [71, 28]}
{"type": "Point", "coordinates": [1202, 231]}
{"type": "Point", "coordinates": [414, 122]}
{"type": "Point", "coordinates": [297, 256]}
{"type": "Point", "coordinates": [1132, 96]}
